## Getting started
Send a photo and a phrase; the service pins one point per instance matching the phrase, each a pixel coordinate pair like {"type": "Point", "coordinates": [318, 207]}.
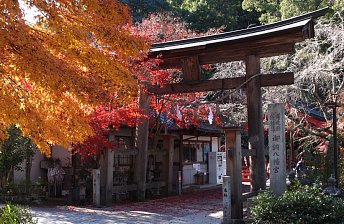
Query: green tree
{"type": "Point", "coordinates": [201, 15]}
{"type": "Point", "coordinates": [290, 8]}
{"type": "Point", "coordinates": [269, 10]}
{"type": "Point", "coordinates": [142, 8]}
{"type": "Point", "coordinates": [13, 151]}
{"type": "Point", "coordinates": [275, 10]}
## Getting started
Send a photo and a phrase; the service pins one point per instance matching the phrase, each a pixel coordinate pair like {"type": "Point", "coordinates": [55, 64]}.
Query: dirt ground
{"type": "Point", "coordinates": [193, 206]}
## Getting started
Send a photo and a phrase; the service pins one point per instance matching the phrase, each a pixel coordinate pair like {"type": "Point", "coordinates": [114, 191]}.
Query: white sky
{"type": "Point", "coordinates": [29, 13]}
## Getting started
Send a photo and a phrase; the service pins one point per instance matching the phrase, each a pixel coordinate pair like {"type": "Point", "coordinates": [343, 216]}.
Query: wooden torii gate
{"type": "Point", "coordinates": [248, 45]}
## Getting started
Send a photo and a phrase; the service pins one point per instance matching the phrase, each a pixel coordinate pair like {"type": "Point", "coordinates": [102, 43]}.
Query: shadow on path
{"type": "Point", "coordinates": [201, 206]}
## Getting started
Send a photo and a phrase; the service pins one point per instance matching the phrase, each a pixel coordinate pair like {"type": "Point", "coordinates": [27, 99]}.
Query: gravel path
{"type": "Point", "coordinates": [201, 206]}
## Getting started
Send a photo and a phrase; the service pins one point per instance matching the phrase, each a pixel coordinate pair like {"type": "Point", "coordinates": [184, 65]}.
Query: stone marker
{"type": "Point", "coordinates": [96, 187]}
{"type": "Point", "coordinates": [277, 149]}
{"type": "Point", "coordinates": [179, 182]}
{"type": "Point", "coordinates": [226, 194]}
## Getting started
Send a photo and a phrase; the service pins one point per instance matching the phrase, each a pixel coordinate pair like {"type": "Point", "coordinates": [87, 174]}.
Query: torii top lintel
{"type": "Point", "coordinates": [263, 41]}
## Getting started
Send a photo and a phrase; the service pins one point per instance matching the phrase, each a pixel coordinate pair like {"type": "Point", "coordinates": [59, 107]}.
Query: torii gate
{"type": "Point", "coordinates": [248, 45]}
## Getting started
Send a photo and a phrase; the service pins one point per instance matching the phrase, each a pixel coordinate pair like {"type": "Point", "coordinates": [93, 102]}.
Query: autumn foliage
{"type": "Point", "coordinates": [103, 120]}
{"type": "Point", "coordinates": [55, 72]}
{"type": "Point", "coordinates": [73, 74]}
{"type": "Point", "coordinates": [183, 109]}
{"type": "Point", "coordinates": [166, 109]}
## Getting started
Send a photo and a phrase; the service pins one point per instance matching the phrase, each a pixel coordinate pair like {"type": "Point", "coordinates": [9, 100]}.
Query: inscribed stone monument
{"type": "Point", "coordinates": [277, 157]}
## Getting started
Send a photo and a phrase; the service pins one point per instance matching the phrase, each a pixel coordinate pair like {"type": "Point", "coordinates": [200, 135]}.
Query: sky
{"type": "Point", "coordinates": [29, 13]}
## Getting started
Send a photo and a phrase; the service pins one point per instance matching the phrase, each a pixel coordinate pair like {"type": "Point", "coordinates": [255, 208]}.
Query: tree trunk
{"type": "Point", "coordinates": [28, 174]}
{"type": "Point", "coordinates": [3, 180]}
{"type": "Point", "coordinates": [10, 176]}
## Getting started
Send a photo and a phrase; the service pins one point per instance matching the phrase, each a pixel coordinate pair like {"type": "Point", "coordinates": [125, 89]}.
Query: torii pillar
{"type": "Point", "coordinates": [255, 123]}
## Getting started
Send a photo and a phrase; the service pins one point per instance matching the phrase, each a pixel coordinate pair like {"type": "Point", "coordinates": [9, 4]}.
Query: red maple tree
{"type": "Point", "coordinates": [175, 108]}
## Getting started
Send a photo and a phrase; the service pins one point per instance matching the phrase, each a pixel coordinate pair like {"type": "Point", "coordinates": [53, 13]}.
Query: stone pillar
{"type": "Point", "coordinates": [96, 187]}
{"type": "Point", "coordinates": [226, 194]}
{"type": "Point", "coordinates": [277, 154]}
{"type": "Point", "coordinates": [179, 182]}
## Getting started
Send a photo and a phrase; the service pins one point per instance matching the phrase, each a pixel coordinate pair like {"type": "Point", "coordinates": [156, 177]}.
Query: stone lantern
{"type": "Point", "coordinates": [331, 189]}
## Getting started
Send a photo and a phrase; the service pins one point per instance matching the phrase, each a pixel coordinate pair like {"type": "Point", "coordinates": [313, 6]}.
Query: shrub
{"type": "Point", "coordinates": [14, 214]}
{"type": "Point", "coordinates": [302, 205]}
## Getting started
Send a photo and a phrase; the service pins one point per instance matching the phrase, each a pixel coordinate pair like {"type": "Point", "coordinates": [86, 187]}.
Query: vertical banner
{"type": "Point", "coordinates": [277, 150]}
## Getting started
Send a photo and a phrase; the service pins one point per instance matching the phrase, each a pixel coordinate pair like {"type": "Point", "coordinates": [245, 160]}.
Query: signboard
{"type": "Point", "coordinates": [197, 166]}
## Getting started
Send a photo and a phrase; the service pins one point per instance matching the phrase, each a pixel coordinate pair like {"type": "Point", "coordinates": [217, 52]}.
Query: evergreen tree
{"type": "Point", "coordinates": [275, 10]}
{"type": "Point", "coordinates": [142, 8]}
{"type": "Point", "coordinates": [205, 14]}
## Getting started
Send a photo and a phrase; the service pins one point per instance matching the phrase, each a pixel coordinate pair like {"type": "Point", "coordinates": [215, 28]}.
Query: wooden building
{"type": "Point", "coordinates": [183, 150]}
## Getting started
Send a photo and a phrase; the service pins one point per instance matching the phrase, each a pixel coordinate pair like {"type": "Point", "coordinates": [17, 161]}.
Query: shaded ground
{"type": "Point", "coordinates": [201, 206]}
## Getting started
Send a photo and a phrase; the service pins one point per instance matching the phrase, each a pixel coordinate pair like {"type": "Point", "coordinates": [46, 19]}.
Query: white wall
{"type": "Point", "coordinates": [36, 171]}
{"type": "Point", "coordinates": [19, 176]}
{"type": "Point", "coordinates": [194, 138]}
{"type": "Point", "coordinates": [189, 172]}
{"type": "Point", "coordinates": [65, 156]}
{"type": "Point", "coordinates": [199, 154]}
{"type": "Point", "coordinates": [215, 144]}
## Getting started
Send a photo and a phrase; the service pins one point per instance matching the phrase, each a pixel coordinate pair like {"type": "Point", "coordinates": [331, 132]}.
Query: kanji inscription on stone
{"type": "Point", "coordinates": [277, 154]}
{"type": "Point", "coordinates": [226, 192]}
